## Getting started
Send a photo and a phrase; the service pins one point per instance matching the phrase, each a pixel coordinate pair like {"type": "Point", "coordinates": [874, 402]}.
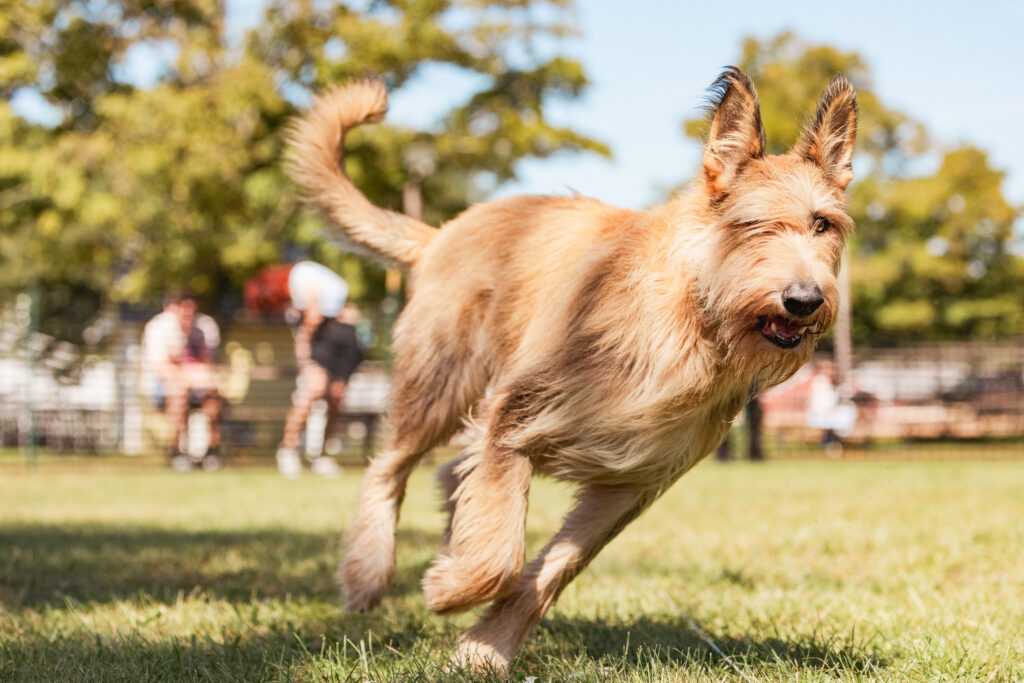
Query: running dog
{"type": "Point", "coordinates": [619, 344]}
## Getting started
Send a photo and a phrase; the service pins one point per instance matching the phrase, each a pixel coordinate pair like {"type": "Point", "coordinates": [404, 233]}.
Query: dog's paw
{"type": "Point", "coordinates": [360, 601]}
{"type": "Point", "coordinates": [444, 588]}
{"type": "Point", "coordinates": [481, 659]}
{"type": "Point", "coordinates": [364, 587]}
{"type": "Point", "coordinates": [453, 585]}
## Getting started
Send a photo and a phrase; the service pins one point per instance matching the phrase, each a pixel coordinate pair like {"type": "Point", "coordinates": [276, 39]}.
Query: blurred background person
{"type": "Point", "coordinates": [178, 349]}
{"type": "Point", "coordinates": [327, 351]}
{"type": "Point", "coordinates": [827, 411]}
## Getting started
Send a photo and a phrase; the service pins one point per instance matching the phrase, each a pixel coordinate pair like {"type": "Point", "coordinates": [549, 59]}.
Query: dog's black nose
{"type": "Point", "coordinates": [802, 299]}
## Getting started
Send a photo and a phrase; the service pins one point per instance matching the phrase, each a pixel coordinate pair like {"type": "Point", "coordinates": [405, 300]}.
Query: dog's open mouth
{"type": "Point", "coordinates": [783, 332]}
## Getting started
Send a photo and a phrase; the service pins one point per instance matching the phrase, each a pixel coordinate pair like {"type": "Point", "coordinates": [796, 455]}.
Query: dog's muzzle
{"type": "Point", "coordinates": [784, 332]}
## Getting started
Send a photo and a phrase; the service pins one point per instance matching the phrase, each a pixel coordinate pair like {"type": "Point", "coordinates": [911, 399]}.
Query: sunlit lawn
{"type": "Point", "coordinates": [111, 570]}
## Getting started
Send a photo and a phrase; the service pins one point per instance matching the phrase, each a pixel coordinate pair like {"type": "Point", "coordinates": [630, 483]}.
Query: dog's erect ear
{"type": "Point", "coordinates": [828, 140]}
{"type": "Point", "coordinates": [736, 135]}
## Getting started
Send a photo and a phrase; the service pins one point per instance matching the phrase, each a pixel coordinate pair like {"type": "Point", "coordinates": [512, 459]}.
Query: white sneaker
{"type": "Point", "coordinates": [834, 449]}
{"type": "Point", "coordinates": [325, 467]}
{"type": "Point", "coordinates": [289, 464]}
{"type": "Point", "coordinates": [181, 463]}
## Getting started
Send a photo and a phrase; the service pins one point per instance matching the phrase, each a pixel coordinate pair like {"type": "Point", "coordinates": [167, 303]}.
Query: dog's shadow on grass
{"type": "Point", "coordinates": [676, 641]}
{"type": "Point", "coordinates": [280, 649]}
{"type": "Point", "coordinates": [49, 564]}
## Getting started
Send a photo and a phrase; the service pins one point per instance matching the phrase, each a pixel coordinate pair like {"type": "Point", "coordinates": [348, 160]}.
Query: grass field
{"type": "Point", "coordinates": [111, 570]}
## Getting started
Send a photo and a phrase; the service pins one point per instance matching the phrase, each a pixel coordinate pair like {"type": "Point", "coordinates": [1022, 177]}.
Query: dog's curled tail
{"type": "Point", "coordinates": [314, 161]}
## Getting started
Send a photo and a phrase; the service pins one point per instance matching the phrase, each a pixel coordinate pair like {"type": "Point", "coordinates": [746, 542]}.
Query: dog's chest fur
{"type": "Point", "coordinates": [601, 434]}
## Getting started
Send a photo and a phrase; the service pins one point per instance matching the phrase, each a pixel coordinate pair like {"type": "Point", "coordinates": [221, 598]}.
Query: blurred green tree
{"type": "Point", "coordinates": [168, 175]}
{"type": "Point", "coordinates": [934, 255]}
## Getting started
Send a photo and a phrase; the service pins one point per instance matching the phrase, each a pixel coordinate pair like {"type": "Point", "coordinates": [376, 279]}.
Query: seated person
{"type": "Point", "coordinates": [326, 348]}
{"type": "Point", "coordinates": [178, 347]}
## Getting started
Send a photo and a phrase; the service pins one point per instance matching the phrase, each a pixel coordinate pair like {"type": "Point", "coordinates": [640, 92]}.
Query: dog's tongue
{"type": "Point", "coordinates": [784, 327]}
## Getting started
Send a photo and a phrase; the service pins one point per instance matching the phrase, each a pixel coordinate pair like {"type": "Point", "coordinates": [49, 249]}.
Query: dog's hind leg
{"type": "Point", "coordinates": [430, 394]}
{"type": "Point", "coordinates": [484, 554]}
{"type": "Point", "coordinates": [601, 512]}
{"type": "Point", "coordinates": [369, 563]}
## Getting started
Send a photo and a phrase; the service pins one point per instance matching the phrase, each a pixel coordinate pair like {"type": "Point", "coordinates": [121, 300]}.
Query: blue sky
{"type": "Point", "coordinates": [952, 66]}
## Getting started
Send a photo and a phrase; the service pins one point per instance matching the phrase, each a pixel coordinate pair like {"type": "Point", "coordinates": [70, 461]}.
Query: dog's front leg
{"type": "Point", "coordinates": [600, 513]}
{"type": "Point", "coordinates": [450, 475]}
{"type": "Point", "coordinates": [484, 555]}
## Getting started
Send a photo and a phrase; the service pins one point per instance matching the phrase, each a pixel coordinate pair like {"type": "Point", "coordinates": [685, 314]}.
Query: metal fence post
{"type": "Point", "coordinates": [28, 306]}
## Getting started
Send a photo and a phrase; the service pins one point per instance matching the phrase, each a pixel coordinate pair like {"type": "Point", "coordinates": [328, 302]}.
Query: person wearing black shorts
{"type": "Point", "coordinates": [328, 355]}
{"type": "Point", "coordinates": [314, 299]}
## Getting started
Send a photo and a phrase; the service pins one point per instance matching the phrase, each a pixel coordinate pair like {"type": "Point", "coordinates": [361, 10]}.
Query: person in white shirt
{"type": "Point", "coordinates": [178, 348]}
{"type": "Point", "coordinates": [827, 411]}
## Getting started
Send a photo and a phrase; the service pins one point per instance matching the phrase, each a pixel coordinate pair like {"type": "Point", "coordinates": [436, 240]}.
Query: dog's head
{"type": "Point", "coordinates": [769, 281]}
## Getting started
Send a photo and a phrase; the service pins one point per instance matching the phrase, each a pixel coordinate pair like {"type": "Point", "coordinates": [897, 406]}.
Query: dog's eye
{"type": "Point", "coordinates": [821, 225]}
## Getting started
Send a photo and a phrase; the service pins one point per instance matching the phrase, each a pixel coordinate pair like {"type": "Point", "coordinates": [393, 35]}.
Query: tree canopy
{"type": "Point", "coordinates": [172, 178]}
{"type": "Point", "coordinates": [933, 255]}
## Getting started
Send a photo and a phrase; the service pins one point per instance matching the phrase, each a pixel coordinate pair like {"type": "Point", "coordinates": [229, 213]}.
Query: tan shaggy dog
{"type": "Point", "coordinates": [619, 344]}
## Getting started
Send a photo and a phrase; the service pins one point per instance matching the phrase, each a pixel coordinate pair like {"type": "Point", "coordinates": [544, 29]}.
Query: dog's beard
{"type": "Point", "coordinates": [766, 347]}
